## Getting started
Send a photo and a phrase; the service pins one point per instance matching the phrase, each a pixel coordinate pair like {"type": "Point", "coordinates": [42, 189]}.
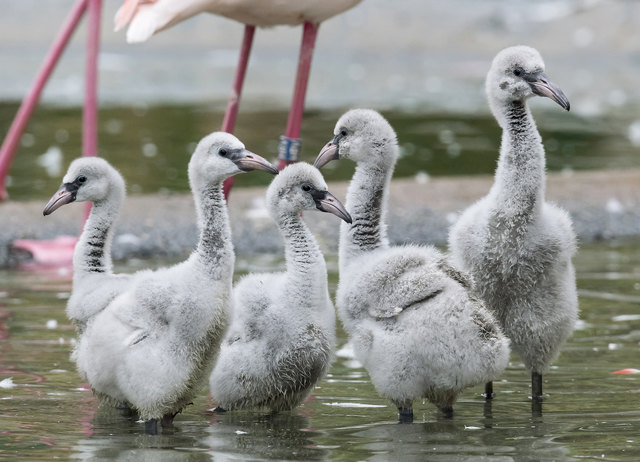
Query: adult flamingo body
{"type": "Point", "coordinates": [146, 17]}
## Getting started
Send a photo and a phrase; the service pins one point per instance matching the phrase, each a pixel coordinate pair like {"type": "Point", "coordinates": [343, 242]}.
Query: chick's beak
{"type": "Point", "coordinates": [64, 195]}
{"type": "Point", "coordinates": [542, 86]}
{"type": "Point", "coordinates": [328, 153]}
{"type": "Point", "coordinates": [332, 205]}
{"type": "Point", "coordinates": [247, 161]}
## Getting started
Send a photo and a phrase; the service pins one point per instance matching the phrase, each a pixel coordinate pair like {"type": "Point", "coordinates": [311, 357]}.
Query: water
{"type": "Point", "coordinates": [151, 145]}
{"type": "Point", "coordinates": [590, 413]}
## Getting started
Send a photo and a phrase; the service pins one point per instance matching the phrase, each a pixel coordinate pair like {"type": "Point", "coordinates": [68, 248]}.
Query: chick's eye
{"type": "Point", "coordinates": [306, 187]}
{"type": "Point", "coordinates": [517, 72]}
{"type": "Point", "coordinates": [343, 132]}
{"type": "Point", "coordinates": [82, 179]}
{"type": "Point", "coordinates": [223, 152]}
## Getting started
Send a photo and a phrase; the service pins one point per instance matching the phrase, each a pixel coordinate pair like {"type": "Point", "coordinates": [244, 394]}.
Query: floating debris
{"type": "Point", "coordinates": [614, 206]}
{"type": "Point", "coordinates": [7, 383]}
{"type": "Point", "coordinates": [51, 161]}
{"type": "Point", "coordinates": [421, 177]}
{"type": "Point", "coordinates": [626, 317]}
{"type": "Point", "coordinates": [634, 133]}
{"type": "Point", "coordinates": [149, 149]}
{"type": "Point", "coordinates": [353, 405]}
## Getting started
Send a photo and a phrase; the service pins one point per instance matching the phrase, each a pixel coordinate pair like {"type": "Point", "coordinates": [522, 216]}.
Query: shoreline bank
{"type": "Point", "coordinates": [603, 204]}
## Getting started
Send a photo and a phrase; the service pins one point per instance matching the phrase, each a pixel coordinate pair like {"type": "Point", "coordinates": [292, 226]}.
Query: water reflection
{"type": "Point", "coordinates": [285, 435]}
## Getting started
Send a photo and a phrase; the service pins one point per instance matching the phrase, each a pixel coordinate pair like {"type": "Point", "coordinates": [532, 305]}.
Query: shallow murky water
{"type": "Point", "coordinates": [46, 411]}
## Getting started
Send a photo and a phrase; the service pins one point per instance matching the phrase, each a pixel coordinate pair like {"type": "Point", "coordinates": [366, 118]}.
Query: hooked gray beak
{"type": "Point", "coordinates": [328, 203]}
{"type": "Point", "coordinates": [247, 161]}
{"type": "Point", "coordinates": [64, 195]}
{"type": "Point", "coordinates": [542, 86]}
{"type": "Point", "coordinates": [329, 152]}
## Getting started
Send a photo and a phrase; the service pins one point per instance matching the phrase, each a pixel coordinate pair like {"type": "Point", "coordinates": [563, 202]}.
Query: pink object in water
{"type": "Point", "coordinates": [627, 371]}
{"type": "Point", "coordinates": [58, 251]}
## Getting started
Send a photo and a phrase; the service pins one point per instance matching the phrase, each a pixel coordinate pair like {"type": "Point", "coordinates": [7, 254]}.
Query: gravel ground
{"type": "Point", "coordinates": [603, 204]}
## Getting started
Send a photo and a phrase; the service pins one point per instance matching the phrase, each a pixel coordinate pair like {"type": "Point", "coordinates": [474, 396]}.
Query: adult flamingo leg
{"type": "Point", "coordinates": [90, 110]}
{"type": "Point", "coordinates": [289, 147]}
{"type": "Point", "coordinates": [60, 250]}
{"type": "Point", "coordinates": [29, 103]}
{"type": "Point", "coordinates": [229, 122]}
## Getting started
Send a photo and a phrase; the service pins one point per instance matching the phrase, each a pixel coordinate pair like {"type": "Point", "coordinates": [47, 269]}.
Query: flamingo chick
{"type": "Point", "coordinates": [412, 318]}
{"type": "Point", "coordinates": [148, 339]}
{"type": "Point", "coordinates": [281, 336]}
{"type": "Point", "coordinates": [517, 246]}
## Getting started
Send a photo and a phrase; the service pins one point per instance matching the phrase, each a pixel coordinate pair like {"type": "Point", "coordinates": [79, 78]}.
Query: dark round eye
{"type": "Point", "coordinates": [223, 152]}
{"type": "Point", "coordinates": [517, 72]}
{"type": "Point", "coordinates": [306, 187]}
{"type": "Point", "coordinates": [343, 132]}
{"type": "Point", "coordinates": [82, 179]}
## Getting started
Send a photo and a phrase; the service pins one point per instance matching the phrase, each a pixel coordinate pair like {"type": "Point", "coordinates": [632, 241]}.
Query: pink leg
{"type": "Point", "coordinates": [290, 142]}
{"type": "Point", "coordinates": [90, 112]}
{"type": "Point", "coordinates": [231, 113]}
{"type": "Point", "coordinates": [28, 104]}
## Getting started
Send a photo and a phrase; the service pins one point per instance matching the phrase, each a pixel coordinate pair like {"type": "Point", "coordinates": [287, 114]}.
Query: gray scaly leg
{"type": "Point", "coordinates": [488, 390]}
{"type": "Point", "coordinates": [536, 394]}
{"type": "Point", "coordinates": [536, 386]}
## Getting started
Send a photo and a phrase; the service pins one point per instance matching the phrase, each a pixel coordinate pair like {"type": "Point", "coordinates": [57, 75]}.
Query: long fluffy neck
{"type": "Point", "coordinates": [92, 254]}
{"type": "Point", "coordinates": [519, 186]}
{"type": "Point", "coordinates": [366, 202]}
{"type": "Point", "coordinates": [306, 269]}
{"type": "Point", "coordinates": [215, 248]}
